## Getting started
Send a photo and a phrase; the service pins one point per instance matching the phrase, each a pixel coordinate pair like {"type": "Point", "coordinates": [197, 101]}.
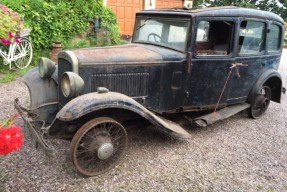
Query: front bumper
{"type": "Point", "coordinates": [37, 133]}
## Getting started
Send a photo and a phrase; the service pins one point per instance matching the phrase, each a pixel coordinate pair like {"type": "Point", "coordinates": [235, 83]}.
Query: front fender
{"type": "Point", "coordinates": [41, 91]}
{"type": "Point", "coordinates": [91, 102]}
{"type": "Point", "coordinates": [43, 94]}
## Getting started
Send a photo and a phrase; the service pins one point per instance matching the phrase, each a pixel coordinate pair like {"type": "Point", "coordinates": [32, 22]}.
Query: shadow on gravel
{"type": "Point", "coordinates": [148, 136]}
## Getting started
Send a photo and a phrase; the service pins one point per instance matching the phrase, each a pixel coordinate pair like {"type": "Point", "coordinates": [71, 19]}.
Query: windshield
{"type": "Point", "coordinates": [171, 33]}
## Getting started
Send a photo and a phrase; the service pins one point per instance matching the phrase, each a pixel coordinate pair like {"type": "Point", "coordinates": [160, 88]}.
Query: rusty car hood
{"type": "Point", "coordinates": [126, 54]}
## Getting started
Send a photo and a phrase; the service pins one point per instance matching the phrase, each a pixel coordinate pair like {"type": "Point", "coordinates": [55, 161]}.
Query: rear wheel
{"type": "Point", "coordinates": [24, 52]}
{"type": "Point", "coordinates": [260, 102]}
{"type": "Point", "coordinates": [98, 146]}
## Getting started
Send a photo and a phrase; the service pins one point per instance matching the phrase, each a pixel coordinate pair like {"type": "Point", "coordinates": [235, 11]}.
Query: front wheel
{"type": "Point", "coordinates": [23, 53]}
{"type": "Point", "coordinates": [260, 102]}
{"type": "Point", "coordinates": [98, 145]}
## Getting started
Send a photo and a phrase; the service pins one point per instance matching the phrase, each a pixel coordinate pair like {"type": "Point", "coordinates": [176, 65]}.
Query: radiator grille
{"type": "Point", "coordinates": [131, 84]}
{"type": "Point", "coordinates": [63, 67]}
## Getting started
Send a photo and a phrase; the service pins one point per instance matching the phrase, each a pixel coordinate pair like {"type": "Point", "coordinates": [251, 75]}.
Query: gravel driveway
{"type": "Point", "coordinates": [237, 154]}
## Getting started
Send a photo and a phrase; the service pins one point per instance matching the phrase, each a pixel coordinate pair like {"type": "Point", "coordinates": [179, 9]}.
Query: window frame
{"type": "Point", "coordinates": [279, 38]}
{"type": "Point", "coordinates": [231, 41]}
{"type": "Point", "coordinates": [264, 36]}
{"type": "Point", "coordinates": [187, 39]}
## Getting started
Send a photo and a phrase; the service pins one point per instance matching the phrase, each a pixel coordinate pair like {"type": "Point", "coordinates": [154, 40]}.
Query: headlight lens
{"type": "Point", "coordinates": [46, 67]}
{"type": "Point", "coordinates": [71, 84]}
{"type": "Point", "coordinates": [66, 88]}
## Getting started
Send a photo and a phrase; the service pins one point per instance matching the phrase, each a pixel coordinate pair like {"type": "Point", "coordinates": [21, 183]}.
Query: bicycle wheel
{"type": "Point", "coordinates": [23, 53]}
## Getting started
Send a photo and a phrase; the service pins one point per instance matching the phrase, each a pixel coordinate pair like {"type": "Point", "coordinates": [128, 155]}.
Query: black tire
{"type": "Point", "coordinates": [260, 102]}
{"type": "Point", "coordinates": [98, 146]}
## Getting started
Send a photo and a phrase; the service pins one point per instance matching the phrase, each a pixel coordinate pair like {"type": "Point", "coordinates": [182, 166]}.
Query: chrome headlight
{"type": "Point", "coordinates": [71, 84]}
{"type": "Point", "coordinates": [46, 67]}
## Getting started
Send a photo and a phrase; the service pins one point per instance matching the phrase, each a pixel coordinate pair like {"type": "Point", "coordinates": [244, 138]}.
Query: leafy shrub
{"type": "Point", "coordinates": [11, 23]}
{"type": "Point", "coordinates": [62, 20]}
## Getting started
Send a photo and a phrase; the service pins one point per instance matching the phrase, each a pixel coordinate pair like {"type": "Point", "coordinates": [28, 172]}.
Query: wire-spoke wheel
{"type": "Point", "coordinates": [23, 52]}
{"type": "Point", "coordinates": [260, 102]}
{"type": "Point", "coordinates": [98, 146]}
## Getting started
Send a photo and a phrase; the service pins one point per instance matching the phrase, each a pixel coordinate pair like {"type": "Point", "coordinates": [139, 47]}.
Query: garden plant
{"type": "Point", "coordinates": [11, 136]}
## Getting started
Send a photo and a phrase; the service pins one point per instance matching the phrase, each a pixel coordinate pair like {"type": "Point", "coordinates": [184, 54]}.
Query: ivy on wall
{"type": "Point", "coordinates": [62, 20]}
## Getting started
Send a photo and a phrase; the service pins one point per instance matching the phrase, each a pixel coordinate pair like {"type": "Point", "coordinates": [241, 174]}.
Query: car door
{"type": "Point", "coordinates": [208, 80]}
{"type": "Point", "coordinates": [174, 35]}
{"type": "Point", "coordinates": [250, 58]}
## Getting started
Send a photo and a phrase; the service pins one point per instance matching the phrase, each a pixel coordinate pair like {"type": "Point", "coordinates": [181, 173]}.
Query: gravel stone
{"type": "Point", "coordinates": [236, 154]}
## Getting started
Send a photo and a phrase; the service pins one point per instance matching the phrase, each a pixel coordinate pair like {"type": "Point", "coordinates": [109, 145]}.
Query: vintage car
{"type": "Point", "coordinates": [214, 62]}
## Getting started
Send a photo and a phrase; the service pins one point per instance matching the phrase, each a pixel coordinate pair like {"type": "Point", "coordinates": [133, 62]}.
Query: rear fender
{"type": "Point", "coordinates": [271, 78]}
{"type": "Point", "coordinates": [92, 102]}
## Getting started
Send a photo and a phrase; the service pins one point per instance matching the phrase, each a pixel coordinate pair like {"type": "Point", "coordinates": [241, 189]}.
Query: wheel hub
{"type": "Point", "coordinates": [262, 102]}
{"type": "Point", "coordinates": [98, 145]}
{"type": "Point", "coordinates": [105, 151]}
{"type": "Point", "coordinates": [265, 103]}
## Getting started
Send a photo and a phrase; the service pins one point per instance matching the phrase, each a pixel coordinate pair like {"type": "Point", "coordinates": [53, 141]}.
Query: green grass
{"type": "Point", "coordinates": [7, 75]}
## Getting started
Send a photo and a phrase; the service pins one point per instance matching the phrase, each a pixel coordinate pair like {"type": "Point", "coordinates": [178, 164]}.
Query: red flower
{"type": "Point", "coordinates": [4, 8]}
{"type": "Point", "coordinates": [10, 35]}
{"type": "Point", "coordinates": [11, 139]}
{"type": "Point", "coordinates": [17, 40]}
{"type": "Point", "coordinates": [5, 41]}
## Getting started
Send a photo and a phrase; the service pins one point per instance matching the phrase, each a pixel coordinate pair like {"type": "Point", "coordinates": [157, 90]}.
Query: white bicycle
{"type": "Point", "coordinates": [18, 53]}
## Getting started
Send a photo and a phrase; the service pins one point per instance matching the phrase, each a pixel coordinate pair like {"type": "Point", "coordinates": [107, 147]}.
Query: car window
{"type": "Point", "coordinates": [251, 37]}
{"type": "Point", "coordinates": [274, 38]}
{"type": "Point", "coordinates": [202, 31]}
{"type": "Point", "coordinates": [214, 38]}
{"type": "Point", "coordinates": [164, 32]}
{"type": "Point", "coordinates": [148, 27]}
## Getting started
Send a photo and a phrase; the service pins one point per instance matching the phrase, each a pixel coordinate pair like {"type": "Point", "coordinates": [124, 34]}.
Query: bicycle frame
{"type": "Point", "coordinates": [9, 58]}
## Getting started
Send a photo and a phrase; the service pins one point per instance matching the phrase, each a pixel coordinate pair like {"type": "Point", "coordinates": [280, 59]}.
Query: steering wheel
{"type": "Point", "coordinates": [155, 36]}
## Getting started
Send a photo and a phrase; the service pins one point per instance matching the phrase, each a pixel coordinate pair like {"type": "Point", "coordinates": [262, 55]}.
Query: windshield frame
{"type": "Point", "coordinates": [146, 18]}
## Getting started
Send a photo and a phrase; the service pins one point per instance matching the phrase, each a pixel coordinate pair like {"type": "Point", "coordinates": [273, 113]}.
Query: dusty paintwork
{"type": "Point", "coordinates": [207, 64]}
{"type": "Point", "coordinates": [107, 55]}
{"type": "Point", "coordinates": [88, 103]}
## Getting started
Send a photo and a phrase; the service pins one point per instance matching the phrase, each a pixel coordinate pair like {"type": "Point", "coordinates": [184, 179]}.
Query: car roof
{"type": "Point", "coordinates": [224, 11]}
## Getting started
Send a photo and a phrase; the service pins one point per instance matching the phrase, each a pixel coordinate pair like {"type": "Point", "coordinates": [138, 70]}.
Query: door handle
{"type": "Point", "coordinates": [238, 65]}
{"type": "Point", "coordinates": [235, 65]}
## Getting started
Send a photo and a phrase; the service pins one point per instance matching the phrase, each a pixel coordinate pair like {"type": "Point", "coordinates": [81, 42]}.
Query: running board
{"type": "Point", "coordinates": [219, 115]}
